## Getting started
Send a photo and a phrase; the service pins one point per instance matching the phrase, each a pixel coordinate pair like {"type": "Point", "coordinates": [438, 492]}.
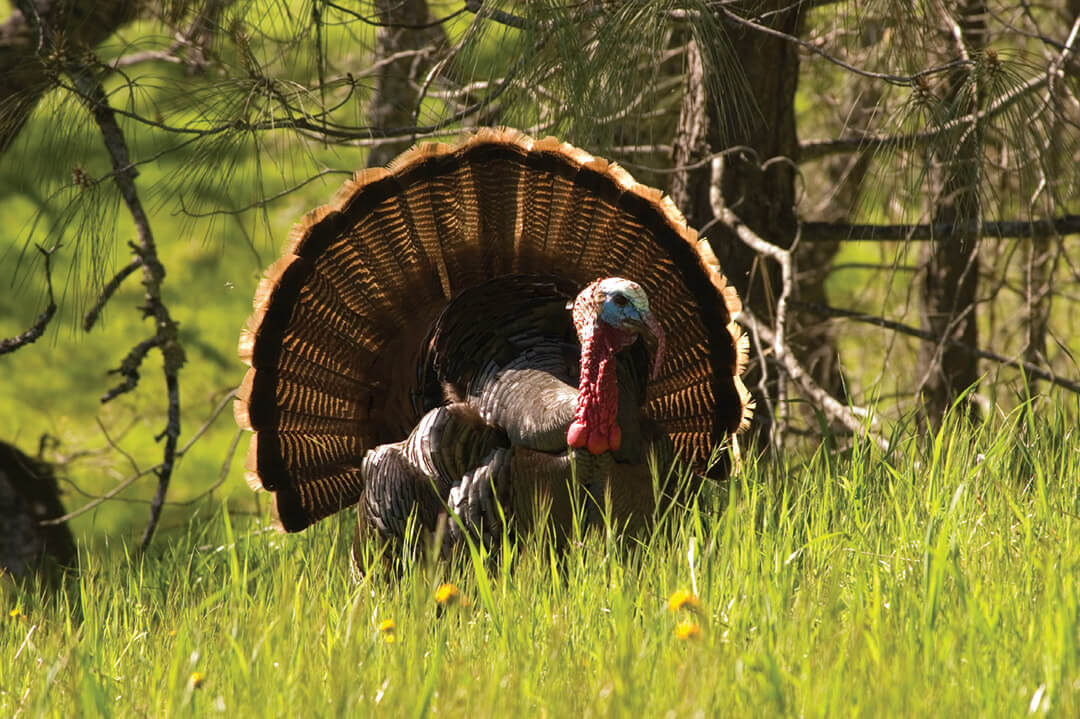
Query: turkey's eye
{"type": "Point", "coordinates": [620, 300]}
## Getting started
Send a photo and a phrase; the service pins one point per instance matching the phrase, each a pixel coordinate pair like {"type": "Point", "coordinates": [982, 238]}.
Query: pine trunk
{"type": "Point", "coordinates": [952, 263]}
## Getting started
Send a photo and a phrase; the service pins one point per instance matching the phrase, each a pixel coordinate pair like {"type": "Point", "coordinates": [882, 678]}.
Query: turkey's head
{"type": "Point", "coordinates": [609, 314]}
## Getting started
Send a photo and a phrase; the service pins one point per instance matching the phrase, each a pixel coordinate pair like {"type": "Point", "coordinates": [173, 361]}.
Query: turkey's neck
{"type": "Point", "coordinates": [595, 427]}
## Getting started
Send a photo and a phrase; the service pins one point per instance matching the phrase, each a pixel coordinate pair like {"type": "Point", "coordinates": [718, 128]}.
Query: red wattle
{"type": "Point", "coordinates": [597, 443]}
{"type": "Point", "coordinates": [595, 426]}
{"type": "Point", "coordinates": [577, 435]}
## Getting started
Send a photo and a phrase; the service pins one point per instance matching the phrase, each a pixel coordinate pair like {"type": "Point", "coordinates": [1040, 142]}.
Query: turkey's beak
{"type": "Point", "coordinates": [653, 335]}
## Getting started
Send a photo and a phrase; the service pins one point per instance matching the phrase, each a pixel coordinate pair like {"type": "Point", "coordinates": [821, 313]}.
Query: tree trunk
{"type": "Point", "coordinates": [762, 195]}
{"type": "Point", "coordinates": [75, 25]}
{"type": "Point", "coordinates": [952, 263]}
{"type": "Point", "coordinates": [393, 100]}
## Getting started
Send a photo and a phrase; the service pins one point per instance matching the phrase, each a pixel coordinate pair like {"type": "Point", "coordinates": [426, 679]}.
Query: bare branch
{"type": "Point", "coordinates": [500, 16]}
{"type": "Point", "coordinates": [165, 338]}
{"type": "Point", "coordinates": [399, 25]}
{"type": "Point", "coordinates": [829, 405]}
{"type": "Point", "coordinates": [1028, 368]}
{"type": "Point", "coordinates": [38, 328]}
{"type": "Point", "coordinates": [266, 200]}
{"type": "Point", "coordinates": [829, 231]}
{"type": "Point", "coordinates": [782, 257]}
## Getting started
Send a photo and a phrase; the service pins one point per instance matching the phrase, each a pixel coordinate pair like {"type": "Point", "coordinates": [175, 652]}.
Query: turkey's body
{"type": "Point", "coordinates": [422, 348]}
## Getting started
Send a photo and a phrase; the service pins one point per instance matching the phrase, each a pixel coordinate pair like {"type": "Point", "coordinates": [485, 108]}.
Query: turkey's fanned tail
{"type": "Point", "coordinates": [341, 320]}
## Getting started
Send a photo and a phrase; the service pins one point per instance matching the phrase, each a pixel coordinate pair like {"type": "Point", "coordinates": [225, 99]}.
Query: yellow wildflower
{"type": "Point", "coordinates": [448, 594]}
{"type": "Point", "coordinates": [682, 599]}
{"type": "Point", "coordinates": [15, 613]}
{"type": "Point", "coordinates": [196, 680]}
{"type": "Point", "coordinates": [688, 629]}
{"type": "Point", "coordinates": [388, 628]}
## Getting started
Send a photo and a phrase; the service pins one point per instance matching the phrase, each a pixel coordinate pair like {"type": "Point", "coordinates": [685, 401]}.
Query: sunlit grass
{"type": "Point", "coordinates": [937, 579]}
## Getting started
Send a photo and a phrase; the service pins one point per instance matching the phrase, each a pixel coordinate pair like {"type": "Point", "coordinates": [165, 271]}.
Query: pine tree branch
{"type": "Point", "coordinates": [138, 473]}
{"type": "Point", "coordinates": [397, 25]}
{"type": "Point", "coordinates": [817, 149]}
{"type": "Point", "coordinates": [736, 19]}
{"type": "Point", "coordinates": [27, 72]}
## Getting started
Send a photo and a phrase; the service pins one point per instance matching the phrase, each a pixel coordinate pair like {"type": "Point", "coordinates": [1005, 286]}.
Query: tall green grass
{"type": "Point", "coordinates": [938, 579]}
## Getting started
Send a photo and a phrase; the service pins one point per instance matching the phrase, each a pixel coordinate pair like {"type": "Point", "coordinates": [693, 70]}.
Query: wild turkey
{"type": "Point", "coordinates": [30, 495]}
{"type": "Point", "coordinates": [420, 345]}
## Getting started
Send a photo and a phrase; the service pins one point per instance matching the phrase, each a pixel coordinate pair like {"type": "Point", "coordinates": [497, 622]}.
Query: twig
{"type": "Point", "coordinates": [266, 200]}
{"type": "Point", "coordinates": [103, 498]}
{"type": "Point", "coordinates": [223, 473]}
{"type": "Point", "coordinates": [129, 368]}
{"type": "Point", "coordinates": [107, 292]}
{"type": "Point", "coordinates": [829, 405]}
{"type": "Point", "coordinates": [194, 39]}
{"type": "Point", "coordinates": [816, 149]}
{"type": "Point", "coordinates": [221, 405]}
{"type": "Point", "coordinates": [139, 473]}
{"type": "Point", "coordinates": [116, 446]}
{"type": "Point", "coordinates": [1030, 369]}
{"type": "Point", "coordinates": [38, 328]}
{"type": "Point", "coordinates": [782, 257]}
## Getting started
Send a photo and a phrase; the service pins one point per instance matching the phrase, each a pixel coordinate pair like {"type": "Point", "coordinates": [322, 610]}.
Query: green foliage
{"type": "Point", "coordinates": [936, 579]}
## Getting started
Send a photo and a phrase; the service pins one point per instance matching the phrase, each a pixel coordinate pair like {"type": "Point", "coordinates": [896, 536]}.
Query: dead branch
{"type": "Point", "coordinates": [165, 338]}
{"type": "Point", "coordinates": [850, 417]}
{"type": "Point", "coordinates": [831, 231]}
{"type": "Point", "coordinates": [832, 408]}
{"type": "Point", "coordinates": [397, 25]}
{"type": "Point", "coordinates": [499, 16]}
{"type": "Point", "coordinates": [782, 257]}
{"type": "Point", "coordinates": [38, 328]}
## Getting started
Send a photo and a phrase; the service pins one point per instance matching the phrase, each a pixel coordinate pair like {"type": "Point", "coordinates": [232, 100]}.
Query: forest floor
{"type": "Point", "coordinates": [939, 578]}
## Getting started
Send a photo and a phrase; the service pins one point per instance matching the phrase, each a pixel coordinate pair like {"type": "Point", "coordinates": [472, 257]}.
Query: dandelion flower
{"type": "Point", "coordinates": [682, 599]}
{"type": "Point", "coordinates": [388, 628]}
{"type": "Point", "coordinates": [196, 680]}
{"type": "Point", "coordinates": [15, 613]}
{"type": "Point", "coordinates": [448, 594]}
{"type": "Point", "coordinates": [688, 629]}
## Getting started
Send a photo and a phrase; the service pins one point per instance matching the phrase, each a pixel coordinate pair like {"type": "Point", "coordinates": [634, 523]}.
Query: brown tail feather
{"type": "Point", "coordinates": [340, 320]}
